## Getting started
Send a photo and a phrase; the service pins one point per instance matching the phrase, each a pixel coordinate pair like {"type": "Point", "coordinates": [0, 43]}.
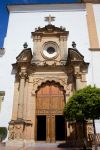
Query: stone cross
{"type": "Point", "coordinates": [49, 19]}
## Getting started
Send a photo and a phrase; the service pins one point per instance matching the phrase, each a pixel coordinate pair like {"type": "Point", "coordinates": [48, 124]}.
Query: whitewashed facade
{"type": "Point", "coordinates": [23, 19]}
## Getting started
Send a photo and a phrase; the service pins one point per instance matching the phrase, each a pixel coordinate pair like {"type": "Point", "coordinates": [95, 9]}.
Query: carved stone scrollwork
{"type": "Point", "coordinates": [19, 131]}
{"type": "Point", "coordinates": [90, 129]}
{"type": "Point", "coordinates": [11, 132]}
{"type": "Point", "coordinates": [23, 75]}
{"type": "Point", "coordinates": [76, 69]}
{"type": "Point", "coordinates": [77, 75]}
{"type": "Point", "coordinates": [16, 131]}
{"type": "Point", "coordinates": [62, 81]}
{"type": "Point", "coordinates": [17, 128]}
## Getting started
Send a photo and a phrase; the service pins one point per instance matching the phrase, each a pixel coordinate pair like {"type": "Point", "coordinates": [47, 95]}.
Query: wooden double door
{"type": "Point", "coordinates": [50, 123]}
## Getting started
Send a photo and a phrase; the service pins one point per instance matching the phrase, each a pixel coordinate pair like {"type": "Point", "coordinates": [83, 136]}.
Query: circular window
{"type": "Point", "coordinates": [50, 50]}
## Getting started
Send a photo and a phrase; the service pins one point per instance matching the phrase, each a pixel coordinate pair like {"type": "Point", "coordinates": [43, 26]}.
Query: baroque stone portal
{"type": "Point", "coordinates": [44, 80]}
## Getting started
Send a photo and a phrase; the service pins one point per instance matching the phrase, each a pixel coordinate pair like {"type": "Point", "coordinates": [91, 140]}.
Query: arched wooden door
{"type": "Point", "coordinates": [49, 112]}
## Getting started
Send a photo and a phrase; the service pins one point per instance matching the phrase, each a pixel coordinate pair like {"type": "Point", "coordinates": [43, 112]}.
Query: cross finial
{"type": "Point", "coordinates": [25, 45]}
{"type": "Point", "coordinates": [49, 19]}
{"type": "Point", "coordinates": [74, 45]}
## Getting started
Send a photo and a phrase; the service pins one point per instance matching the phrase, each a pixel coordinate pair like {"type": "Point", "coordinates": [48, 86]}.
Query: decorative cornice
{"type": "Point", "coordinates": [91, 1]}
{"type": "Point", "coordinates": [50, 30]}
{"type": "Point", "coordinates": [20, 121]}
{"type": "Point", "coordinates": [94, 49]}
{"type": "Point", "coordinates": [46, 7]}
{"type": "Point", "coordinates": [2, 93]}
{"type": "Point", "coordinates": [26, 52]}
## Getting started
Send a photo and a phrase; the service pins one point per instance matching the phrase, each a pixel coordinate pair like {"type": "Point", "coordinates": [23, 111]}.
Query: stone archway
{"type": "Point", "coordinates": [68, 87]}
{"type": "Point", "coordinates": [50, 99]}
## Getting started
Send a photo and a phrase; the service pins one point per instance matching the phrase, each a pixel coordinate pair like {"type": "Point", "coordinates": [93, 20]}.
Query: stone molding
{"type": "Point", "coordinates": [94, 49]}
{"type": "Point", "coordinates": [62, 81]}
{"type": "Point", "coordinates": [90, 1]}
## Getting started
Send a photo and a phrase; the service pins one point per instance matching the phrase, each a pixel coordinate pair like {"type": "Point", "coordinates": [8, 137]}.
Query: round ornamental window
{"type": "Point", "coordinates": [50, 50]}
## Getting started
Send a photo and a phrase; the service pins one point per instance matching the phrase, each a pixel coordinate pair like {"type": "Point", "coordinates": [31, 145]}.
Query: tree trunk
{"type": "Point", "coordinates": [94, 136]}
{"type": "Point", "coordinates": [84, 136]}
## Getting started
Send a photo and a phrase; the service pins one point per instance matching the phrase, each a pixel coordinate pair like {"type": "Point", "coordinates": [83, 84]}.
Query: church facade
{"type": "Point", "coordinates": [44, 81]}
{"type": "Point", "coordinates": [58, 58]}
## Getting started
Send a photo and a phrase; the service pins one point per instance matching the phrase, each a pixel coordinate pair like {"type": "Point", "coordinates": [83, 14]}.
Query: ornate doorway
{"type": "Point", "coordinates": [50, 99]}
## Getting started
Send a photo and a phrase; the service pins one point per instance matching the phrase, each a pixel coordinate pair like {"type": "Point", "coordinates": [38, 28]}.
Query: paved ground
{"type": "Point", "coordinates": [38, 147]}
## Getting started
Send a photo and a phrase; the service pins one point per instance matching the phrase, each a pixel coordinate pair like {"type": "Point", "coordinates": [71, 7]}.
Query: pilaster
{"type": "Point", "coordinates": [77, 75]}
{"type": "Point", "coordinates": [26, 101]}
{"type": "Point", "coordinates": [15, 102]}
{"type": "Point", "coordinates": [48, 128]}
{"type": "Point", "coordinates": [21, 95]}
{"type": "Point", "coordinates": [53, 132]}
{"type": "Point", "coordinates": [94, 43]}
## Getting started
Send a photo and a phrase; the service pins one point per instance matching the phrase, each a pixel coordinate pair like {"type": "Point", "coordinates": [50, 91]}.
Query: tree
{"type": "Point", "coordinates": [84, 105]}
{"type": "Point", "coordinates": [3, 133]}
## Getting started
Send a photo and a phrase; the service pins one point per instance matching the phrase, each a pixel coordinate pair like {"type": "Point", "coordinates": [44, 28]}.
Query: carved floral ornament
{"type": "Point", "coordinates": [23, 75]}
{"type": "Point", "coordinates": [62, 81]}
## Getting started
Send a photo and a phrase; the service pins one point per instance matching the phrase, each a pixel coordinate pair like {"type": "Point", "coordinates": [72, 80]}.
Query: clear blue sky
{"type": "Point", "coordinates": [4, 15]}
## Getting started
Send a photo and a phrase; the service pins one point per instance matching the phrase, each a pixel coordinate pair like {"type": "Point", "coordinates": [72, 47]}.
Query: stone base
{"type": "Point", "coordinates": [18, 129]}
{"type": "Point", "coordinates": [19, 143]}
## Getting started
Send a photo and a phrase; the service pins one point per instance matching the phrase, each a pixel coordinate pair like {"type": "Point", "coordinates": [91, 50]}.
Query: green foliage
{"type": "Point", "coordinates": [83, 105]}
{"type": "Point", "coordinates": [3, 133]}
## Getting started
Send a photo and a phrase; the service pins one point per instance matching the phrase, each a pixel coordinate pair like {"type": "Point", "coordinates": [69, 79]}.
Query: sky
{"type": "Point", "coordinates": [4, 14]}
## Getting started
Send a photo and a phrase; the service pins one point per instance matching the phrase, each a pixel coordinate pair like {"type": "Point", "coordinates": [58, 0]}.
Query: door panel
{"type": "Point", "coordinates": [50, 97]}
{"type": "Point", "coordinates": [50, 103]}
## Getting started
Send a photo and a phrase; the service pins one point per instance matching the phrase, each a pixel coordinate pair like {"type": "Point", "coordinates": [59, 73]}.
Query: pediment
{"type": "Point", "coordinates": [25, 56]}
{"type": "Point", "coordinates": [74, 55]}
{"type": "Point", "coordinates": [50, 29]}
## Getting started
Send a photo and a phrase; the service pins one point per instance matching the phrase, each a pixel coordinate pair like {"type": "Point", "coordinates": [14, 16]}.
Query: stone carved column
{"type": "Point", "coordinates": [21, 95]}
{"type": "Point", "coordinates": [77, 76]}
{"type": "Point", "coordinates": [77, 81]}
{"type": "Point", "coordinates": [25, 99]}
{"type": "Point", "coordinates": [61, 46]}
{"type": "Point", "coordinates": [30, 105]}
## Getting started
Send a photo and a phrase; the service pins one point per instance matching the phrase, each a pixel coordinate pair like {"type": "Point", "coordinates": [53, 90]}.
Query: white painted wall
{"type": "Point", "coordinates": [22, 21]}
{"type": "Point", "coordinates": [95, 57]}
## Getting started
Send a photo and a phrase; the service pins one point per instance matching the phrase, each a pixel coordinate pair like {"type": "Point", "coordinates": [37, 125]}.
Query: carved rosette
{"type": "Point", "coordinates": [23, 75]}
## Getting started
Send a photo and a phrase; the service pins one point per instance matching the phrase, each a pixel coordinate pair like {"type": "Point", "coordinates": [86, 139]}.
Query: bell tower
{"type": "Point", "coordinates": [50, 44]}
